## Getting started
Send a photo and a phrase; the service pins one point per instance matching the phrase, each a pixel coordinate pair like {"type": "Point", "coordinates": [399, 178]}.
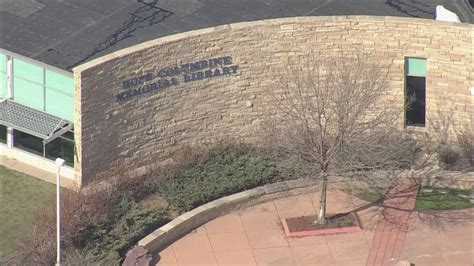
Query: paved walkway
{"type": "Point", "coordinates": [254, 236]}
{"type": "Point", "coordinates": [34, 171]}
{"type": "Point", "coordinates": [441, 238]}
{"type": "Point", "coordinates": [392, 227]}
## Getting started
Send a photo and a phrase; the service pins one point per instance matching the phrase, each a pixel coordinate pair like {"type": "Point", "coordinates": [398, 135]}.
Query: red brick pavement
{"type": "Point", "coordinates": [391, 229]}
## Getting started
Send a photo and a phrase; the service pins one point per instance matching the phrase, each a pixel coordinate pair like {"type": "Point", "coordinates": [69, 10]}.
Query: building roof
{"type": "Point", "coordinates": [67, 33]}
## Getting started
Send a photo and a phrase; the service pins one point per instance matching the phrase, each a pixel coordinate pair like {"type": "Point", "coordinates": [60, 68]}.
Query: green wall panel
{"type": "Point", "coordinates": [28, 84]}
{"type": "Point", "coordinates": [416, 67]}
{"type": "Point", "coordinates": [3, 84]}
{"type": "Point", "coordinates": [3, 75]}
{"type": "Point", "coordinates": [40, 88]}
{"type": "Point", "coordinates": [28, 93]}
{"type": "Point", "coordinates": [60, 104]}
{"type": "Point", "coordinates": [59, 82]}
{"type": "Point", "coordinates": [59, 95]}
{"type": "Point", "coordinates": [28, 71]}
{"type": "Point", "coordinates": [3, 63]}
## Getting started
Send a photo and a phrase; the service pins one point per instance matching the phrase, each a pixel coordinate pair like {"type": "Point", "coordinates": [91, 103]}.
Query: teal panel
{"type": "Point", "coordinates": [416, 67]}
{"type": "Point", "coordinates": [3, 84]}
{"type": "Point", "coordinates": [59, 82]}
{"type": "Point", "coordinates": [3, 75]}
{"type": "Point", "coordinates": [3, 63]}
{"type": "Point", "coordinates": [28, 71]}
{"type": "Point", "coordinates": [59, 95]}
{"type": "Point", "coordinates": [60, 104]}
{"type": "Point", "coordinates": [28, 93]}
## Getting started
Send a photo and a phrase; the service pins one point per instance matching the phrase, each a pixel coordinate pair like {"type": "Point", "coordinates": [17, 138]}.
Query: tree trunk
{"type": "Point", "coordinates": [322, 202]}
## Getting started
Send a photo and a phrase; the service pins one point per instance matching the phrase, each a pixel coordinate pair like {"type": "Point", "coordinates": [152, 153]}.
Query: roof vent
{"type": "Point", "coordinates": [442, 14]}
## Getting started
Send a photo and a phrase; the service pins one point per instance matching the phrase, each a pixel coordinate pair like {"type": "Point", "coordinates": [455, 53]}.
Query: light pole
{"type": "Point", "coordinates": [59, 163]}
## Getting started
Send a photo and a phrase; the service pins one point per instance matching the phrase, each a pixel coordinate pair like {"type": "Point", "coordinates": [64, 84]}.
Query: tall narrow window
{"type": "Point", "coordinates": [415, 92]}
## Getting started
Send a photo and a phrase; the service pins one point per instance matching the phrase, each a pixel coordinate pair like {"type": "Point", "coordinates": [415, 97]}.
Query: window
{"type": "Point", "coordinates": [415, 92]}
{"type": "Point", "coordinates": [62, 147]}
{"type": "Point", "coordinates": [28, 142]}
{"type": "Point", "coordinates": [3, 134]}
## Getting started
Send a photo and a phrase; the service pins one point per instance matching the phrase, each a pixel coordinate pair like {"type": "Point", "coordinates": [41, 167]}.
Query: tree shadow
{"type": "Point", "coordinates": [411, 8]}
{"type": "Point", "coordinates": [148, 14]}
{"type": "Point", "coordinates": [412, 219]}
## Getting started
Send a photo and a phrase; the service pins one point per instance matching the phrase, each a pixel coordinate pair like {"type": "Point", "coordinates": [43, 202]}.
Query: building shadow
{"type": "Point", "coordinates": [411, 8]}
{"type": "Point", "coordinates": [146, 15]}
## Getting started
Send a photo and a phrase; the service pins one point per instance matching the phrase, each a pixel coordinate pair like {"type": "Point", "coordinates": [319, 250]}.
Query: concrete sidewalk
{"type": "Point", "coordinates": [392, 227]}
{"type": "Point", "coordinates": [33, 171]}
{"type": "Point", "coordinates": [254, 236]}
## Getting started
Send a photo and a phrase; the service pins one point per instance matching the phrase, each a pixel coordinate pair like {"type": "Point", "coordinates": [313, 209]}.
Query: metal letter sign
{"type": "Point", "coordinates": [171, 76]}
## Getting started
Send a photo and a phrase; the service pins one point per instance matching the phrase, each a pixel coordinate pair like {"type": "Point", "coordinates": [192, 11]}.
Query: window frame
{"type": "Point", "coordinates": [405, 91]}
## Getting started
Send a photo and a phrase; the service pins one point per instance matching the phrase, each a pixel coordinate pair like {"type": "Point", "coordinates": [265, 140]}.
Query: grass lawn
{"type": "Point", "coordinates": [430, 198]}
{"type": "Point", "coordinates": [21, 196]}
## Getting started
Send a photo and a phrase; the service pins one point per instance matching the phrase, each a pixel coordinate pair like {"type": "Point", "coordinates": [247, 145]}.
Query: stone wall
{"type": "Point", "coordinates": [123, 133]}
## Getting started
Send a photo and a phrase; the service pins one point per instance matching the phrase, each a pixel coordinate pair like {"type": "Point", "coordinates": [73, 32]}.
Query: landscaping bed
{"type": "Point", "coordinates": [99, 228]}
{"type": "Point", "coordinates": [335, 224]}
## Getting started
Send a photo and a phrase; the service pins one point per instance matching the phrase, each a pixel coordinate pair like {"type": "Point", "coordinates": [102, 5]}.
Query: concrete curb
{"type": "Point", "coordinates": [183, 224]}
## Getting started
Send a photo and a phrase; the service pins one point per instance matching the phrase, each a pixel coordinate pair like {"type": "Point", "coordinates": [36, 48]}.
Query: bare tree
{"type": "Point", "coordinates": [339, 114]}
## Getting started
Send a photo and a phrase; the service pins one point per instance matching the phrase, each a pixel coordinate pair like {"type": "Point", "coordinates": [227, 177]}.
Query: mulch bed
{"type": "Point", "coordinates": [306, 223]}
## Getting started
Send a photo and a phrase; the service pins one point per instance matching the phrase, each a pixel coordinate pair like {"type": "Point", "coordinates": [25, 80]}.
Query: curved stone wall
{"type": "Point", "coordinates": [135, 106]}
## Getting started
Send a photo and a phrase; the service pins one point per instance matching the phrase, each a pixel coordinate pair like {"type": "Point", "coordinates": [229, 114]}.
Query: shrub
{"type": "Point", "coordinates": [448, 155]}
{"type": "Point", "coordinates": [102, 225]}
{"type": "Point", "coordinates": [109, 240]}
{"type": "Point", "coordinates": [216, 172]}
{"type": "Point", "coordinates": [40, 244]}
{"type": "Point", "coordinates": [377, 150]}
{"type": "Point", "coordinates": [466, 143]}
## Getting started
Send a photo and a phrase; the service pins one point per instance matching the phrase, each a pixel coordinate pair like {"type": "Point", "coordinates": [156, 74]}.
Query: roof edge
{"type": "Point", "coordinates": [246, 24]}
{"type": "Point", "coordinates": [36, 62]}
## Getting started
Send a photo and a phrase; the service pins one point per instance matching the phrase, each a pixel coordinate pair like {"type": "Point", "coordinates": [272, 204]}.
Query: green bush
{"type": "Point", "coordinates": [217, 172]}
{"type": "Point", "coordinates": [109, 238]}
